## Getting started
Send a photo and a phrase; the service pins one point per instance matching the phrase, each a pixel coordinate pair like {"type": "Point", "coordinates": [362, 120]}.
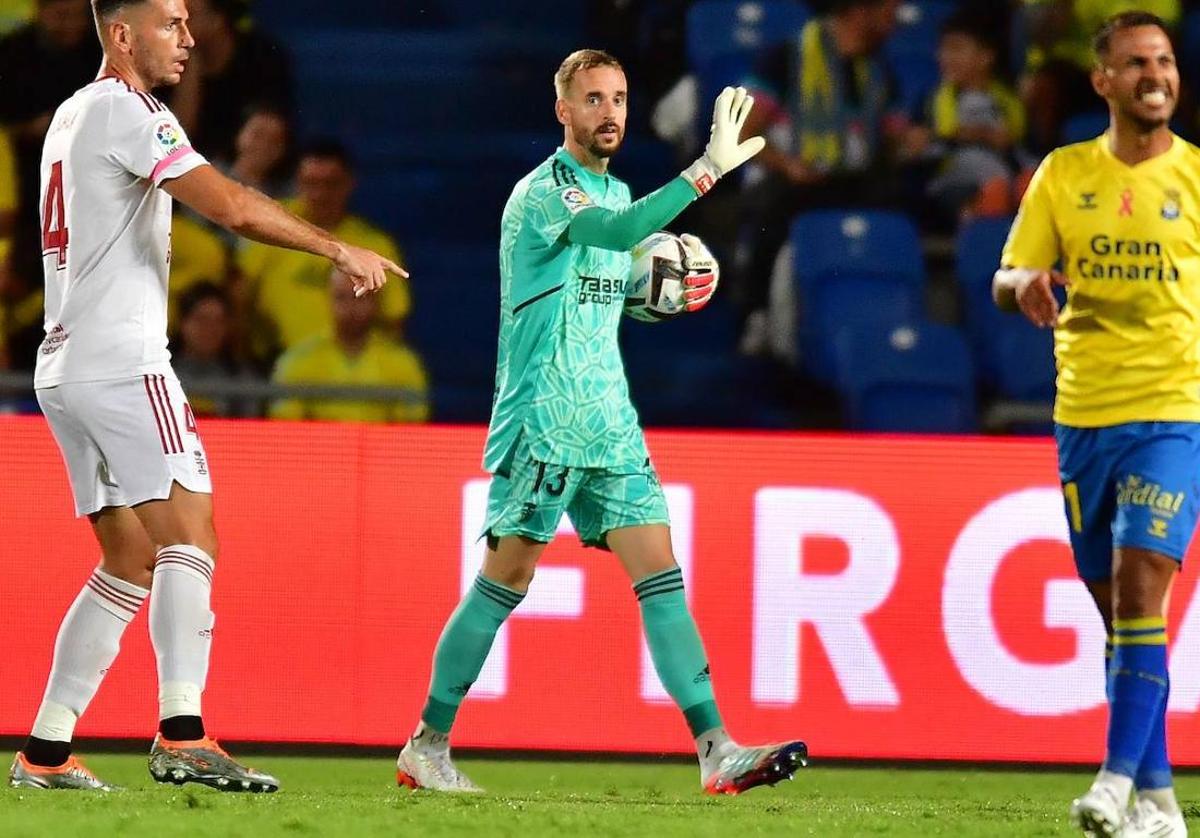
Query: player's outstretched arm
{"type": "Point", "coordinates": [249, 213]}
{"type": "Point", "coordinates": [624, 228]}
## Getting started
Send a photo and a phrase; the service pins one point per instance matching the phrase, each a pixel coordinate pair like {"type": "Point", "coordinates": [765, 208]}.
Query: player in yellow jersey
{"type": "Point", "coordinates": [1119, 215]}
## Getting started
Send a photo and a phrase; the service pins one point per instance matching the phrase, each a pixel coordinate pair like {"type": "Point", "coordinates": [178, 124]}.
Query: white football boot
{"type": "Point", "coordinates": [1099, 813]}
{"type": "Point", "coordinates": [1146, 820]}
{"type": "Point", "coordinates": [431, 768]}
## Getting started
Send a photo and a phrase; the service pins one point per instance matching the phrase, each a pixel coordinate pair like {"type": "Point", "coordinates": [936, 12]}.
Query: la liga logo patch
{"type": "Point", "coordinates": [575, 199]}
{"type": "Point", "coordinates": [167, 134]}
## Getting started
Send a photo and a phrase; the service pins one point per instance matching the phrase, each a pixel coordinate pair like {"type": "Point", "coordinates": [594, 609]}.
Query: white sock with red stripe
{"type": "Point", "coordinates": [88, 641]}
{"type": "Point", "coordinates": [181, 625]}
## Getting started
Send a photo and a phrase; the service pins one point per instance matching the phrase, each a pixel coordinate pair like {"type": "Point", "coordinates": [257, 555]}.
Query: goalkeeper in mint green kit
{"type": "Point", "coordinates": [564, 437]}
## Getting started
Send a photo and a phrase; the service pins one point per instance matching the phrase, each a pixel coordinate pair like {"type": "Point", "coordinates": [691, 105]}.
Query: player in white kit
{"type": "Point", "coordinates": [113, 159]}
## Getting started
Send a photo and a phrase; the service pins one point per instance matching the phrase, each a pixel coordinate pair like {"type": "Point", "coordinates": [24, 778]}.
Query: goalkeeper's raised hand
{"type": "Point", "coordinates": [724, 152]}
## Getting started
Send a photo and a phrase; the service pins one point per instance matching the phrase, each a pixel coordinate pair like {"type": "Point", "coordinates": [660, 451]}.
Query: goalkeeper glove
{"type": "Point", "coordinates": [724, 153]}
{"type": "Point", "coordinates": [701, 274]}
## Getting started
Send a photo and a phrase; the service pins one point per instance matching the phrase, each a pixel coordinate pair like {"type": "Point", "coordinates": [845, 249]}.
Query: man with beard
{"type": "Point", "coordinates": [564, 436]}
{"type": "Point", "coordinates": [1119, 213]}
{"type": "Point", "coordinates": [113, 160]}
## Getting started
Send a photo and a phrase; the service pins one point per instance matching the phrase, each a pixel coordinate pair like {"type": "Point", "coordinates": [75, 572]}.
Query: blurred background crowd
{"type": "Point", "coordinates": [856, 254]}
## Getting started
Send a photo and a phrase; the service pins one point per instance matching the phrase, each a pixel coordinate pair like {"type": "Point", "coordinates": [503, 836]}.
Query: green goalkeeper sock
{"type": "Point", "coordinates": [464, 646]}
{"type": "Point", "coordinates": [676, 648]}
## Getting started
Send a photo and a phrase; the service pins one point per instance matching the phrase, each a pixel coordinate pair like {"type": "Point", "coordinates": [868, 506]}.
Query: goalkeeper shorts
{"type": "Point", "coordinates": [531, 498]}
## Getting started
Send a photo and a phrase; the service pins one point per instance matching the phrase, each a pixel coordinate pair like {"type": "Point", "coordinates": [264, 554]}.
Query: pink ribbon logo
{"type": "Point", "coordinates": [1126, 203]}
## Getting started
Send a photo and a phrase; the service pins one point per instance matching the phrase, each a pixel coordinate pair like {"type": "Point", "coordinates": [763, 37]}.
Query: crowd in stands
{"type": "Point", "coordinates": [900, 138]}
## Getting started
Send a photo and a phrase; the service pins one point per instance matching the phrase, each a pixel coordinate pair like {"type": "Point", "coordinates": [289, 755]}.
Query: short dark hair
{"type": "Point", "coordinates": [964, 22]}
{"type": "Point", "coordinates": [203, 290]}
{"type": "Point", "coordinates": [1102, 41]}
{"type": "Point", "coordinates": [837, 7]}
{"type": "Point", "coordinates": [105, 9]}
{"type": "Point", "coordinates": [328, 148]}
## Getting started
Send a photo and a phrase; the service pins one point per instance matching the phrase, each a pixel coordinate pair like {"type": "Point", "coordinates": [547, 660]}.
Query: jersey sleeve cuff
{"type": "Point", "coordinates": [179, 162]}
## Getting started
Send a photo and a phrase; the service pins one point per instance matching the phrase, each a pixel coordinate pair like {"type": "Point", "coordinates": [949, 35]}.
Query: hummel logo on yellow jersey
{"type": "Point", "coordinates": [1087, 201]}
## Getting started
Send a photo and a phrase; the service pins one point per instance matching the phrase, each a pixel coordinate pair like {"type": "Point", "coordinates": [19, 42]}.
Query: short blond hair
{"type": "Point", "coordinates": [581, 59]}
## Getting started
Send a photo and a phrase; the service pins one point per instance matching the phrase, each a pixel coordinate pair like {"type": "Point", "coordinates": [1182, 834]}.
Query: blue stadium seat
{"type": "Point", "coordinates": [447, 207]}
{"type": "Point", "coordinates": [1084, 126]}
{"type": "Point", "coordinates": [853, 268]}
{"type": "Point", "coordinates": [916, 76]}
{"type": "Point", "coordinates": [913, 377]}
{"type": "Point", "coordinates": [1023, 357]}
{"type": "Point", "coordinates": [699, 389]}
{"type": "Point", "coordinates": [919, 26]}
{"type": "Point", "coordinates": [565, 21]}
{"type": "Point", "coordinates": [882, 243]}
{"type": "Point", "coordinates": [725, 37]}
{"type": "Point", "coordinates": [912, 49]}
{"type": "Point", "coordinates": [281, 15]}
{"type": "Point", "coordinates": [364, 103]}
{"type": "Point", "coordinates": [740, 27]}
{"type": "Point", "coordinates": [1189, 44]}
{"type": "Point", "coordinates": [999, 338]}
{"type": "Point", "coordinates": [453, 327]}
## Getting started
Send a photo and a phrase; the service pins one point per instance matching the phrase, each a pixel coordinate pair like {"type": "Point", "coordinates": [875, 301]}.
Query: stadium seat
{"type": "Point", "coordinates": [1023, 357]}
{"type": "Point", "coordinates": [913, 377]}
{"type": "Point", "coordinates": [853, 267]}
{"type": "Point", "coordinates": [881, 243]}
{"type": "Point", "coordinates": [919, 25]}
{"type": "Point", "coordinates": [447, 207]}
{"type": "Point", "coordinates": [724, 37]}
{"type": "Point", "coordinates": [697, 390]}
{"type": "Point", "coordinates": [740, 27]}
{"type": "Point", "coordinates": [911, 51]}
{"type": "Point", "coordinates": [916, 76]}
{"type": "Point", "coordinates": [998, 339]}
{"type": "Point", "coordinates": [454, 326]}
{"type": "Point", "coordinates": [977, 256]}
{"type": "Point", "coordinates": [278, 16]}
{"type": "Point", "coordinates": [1084, 126]}
{"type": "Point", "coordinates": [1188, 44]}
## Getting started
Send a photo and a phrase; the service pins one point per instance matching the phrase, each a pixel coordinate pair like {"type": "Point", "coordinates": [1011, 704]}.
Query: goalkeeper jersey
{"type": "Point", "coordinates": [559, 376]}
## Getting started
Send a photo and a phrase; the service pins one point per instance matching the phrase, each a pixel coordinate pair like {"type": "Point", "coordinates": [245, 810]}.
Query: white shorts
{"type": "Point", "coordinates": [126, 441]}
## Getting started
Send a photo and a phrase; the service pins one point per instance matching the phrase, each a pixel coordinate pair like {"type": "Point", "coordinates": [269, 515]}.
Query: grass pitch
{"type": "Point", "coordinates": [528, 799]}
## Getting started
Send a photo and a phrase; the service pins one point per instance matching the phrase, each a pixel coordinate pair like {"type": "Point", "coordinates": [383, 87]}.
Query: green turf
{"type": "Point", "coordinates": [324, 796]}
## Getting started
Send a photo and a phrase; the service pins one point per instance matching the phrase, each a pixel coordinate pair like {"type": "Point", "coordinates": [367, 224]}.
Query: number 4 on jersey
{"type": "Point", "coordinates": [54, 217]}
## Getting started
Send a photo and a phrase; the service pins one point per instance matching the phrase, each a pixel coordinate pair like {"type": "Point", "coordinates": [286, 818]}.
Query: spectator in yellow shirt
{"type": "Point", "coordinates": [198, 255]}
{"type": "Point", "coordinates": [287, 290]}
{"type": "Point", "coordinates": [14, 14]}
{"type": "Point", "coordinates": [353, 353]}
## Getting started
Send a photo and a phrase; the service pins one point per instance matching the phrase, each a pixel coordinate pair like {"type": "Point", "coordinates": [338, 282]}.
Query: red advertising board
{"type": "Point", "coordinates": [879, 597]}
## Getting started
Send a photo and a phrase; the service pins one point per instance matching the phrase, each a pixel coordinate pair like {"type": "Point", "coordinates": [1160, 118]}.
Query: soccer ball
{"type": "Point", "coordinates": [655, 288]}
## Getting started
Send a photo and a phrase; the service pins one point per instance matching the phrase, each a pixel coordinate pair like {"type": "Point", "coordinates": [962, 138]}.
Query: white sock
{"type": "Point", "coordinates": [711, 748]}
{"type": "Point", "coordinates": [1119, 783]}
{"type": "Point", "coordinates": [425, 738]}
{"type": "Point", "coordinates": [1164, 799]}
{"type": "Point", "coordinates": [181, 624]}
{"type": "Point", "coordinates": [87, 644]}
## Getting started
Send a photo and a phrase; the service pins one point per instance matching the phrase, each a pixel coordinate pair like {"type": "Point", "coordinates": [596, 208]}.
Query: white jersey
{"type": "Point", "coordinates": [106, 233]}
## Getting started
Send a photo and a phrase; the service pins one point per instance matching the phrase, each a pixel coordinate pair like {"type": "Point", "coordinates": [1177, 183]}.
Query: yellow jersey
{"type": "Point", "coordinates": [289, 290]}
{"type": "Point", "coordinates": [1127, 344]}
{"type": "Point", "coordinates": [382, 363]}
{"type": "Point", "coordinates": [197, 255]}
